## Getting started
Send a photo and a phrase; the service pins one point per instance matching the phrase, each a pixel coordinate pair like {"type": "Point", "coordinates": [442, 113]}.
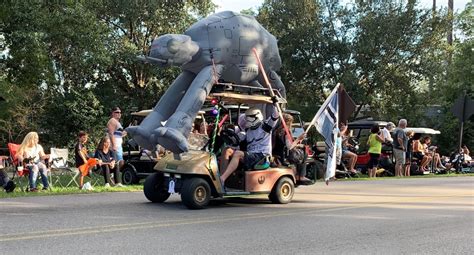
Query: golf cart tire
{"type": "Point", "coordinates": [283, 191]}
{"type": "Point", "coordinates": [195, 193]}
{"type": "Point", "coordinates": [154, 189]}
{"type": "Point", "coordinates": [129, 175]}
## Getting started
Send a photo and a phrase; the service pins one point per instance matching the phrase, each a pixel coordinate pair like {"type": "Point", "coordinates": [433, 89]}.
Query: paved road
{"type": "Point", "coordinates": [399, 216]}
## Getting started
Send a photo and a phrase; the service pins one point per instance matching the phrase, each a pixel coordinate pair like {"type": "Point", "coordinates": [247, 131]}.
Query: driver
{"type": "Point", "coordinates": [258, 136]}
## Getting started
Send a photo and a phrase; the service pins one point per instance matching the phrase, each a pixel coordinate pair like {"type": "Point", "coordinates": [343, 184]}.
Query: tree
{"type": "Point", "coordinates": [67, 55]}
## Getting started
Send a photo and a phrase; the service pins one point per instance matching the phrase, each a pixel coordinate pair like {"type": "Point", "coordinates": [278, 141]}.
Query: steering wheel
{"type": "Point", "coordinates": [230, 137]}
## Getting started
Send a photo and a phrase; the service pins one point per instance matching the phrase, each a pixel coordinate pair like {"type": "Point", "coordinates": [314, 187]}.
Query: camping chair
{"type": "Point", "coordinates": [18, 170]}
{"type": "Point", "coordinates": [60, 170]}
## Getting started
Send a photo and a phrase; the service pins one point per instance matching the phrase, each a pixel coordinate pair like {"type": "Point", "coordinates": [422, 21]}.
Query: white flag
{"type": "Point", "coordinates": [326, 122]}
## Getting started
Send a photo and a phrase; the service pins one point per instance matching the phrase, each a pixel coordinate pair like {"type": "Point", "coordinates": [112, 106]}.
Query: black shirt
{"type": "Point", "coordinates": [105, 157]}
{"type": "Point", "coordinates": [77, 153]}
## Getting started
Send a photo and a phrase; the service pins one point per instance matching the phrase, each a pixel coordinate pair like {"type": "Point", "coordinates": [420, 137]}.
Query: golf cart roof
{"type": "Point", "coordinates": [292, 112]}
{"type": "Point", "coordinates": [235, 98]}
{"type": "Point", "coordinates": [420, 130]}
{"type": "Point", "coordinates": [366, 124]}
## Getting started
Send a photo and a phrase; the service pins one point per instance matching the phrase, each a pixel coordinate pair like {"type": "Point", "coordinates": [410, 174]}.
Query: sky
{"type": "Point", "coordinates": [238, 5]}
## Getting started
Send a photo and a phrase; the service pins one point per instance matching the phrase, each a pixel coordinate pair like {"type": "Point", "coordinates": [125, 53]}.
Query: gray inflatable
{"type": "Point", "coordinates": [218, 47]}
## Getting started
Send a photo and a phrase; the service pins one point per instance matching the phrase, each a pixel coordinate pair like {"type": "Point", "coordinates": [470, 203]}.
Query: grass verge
{"type": "Point", "coordinates": [70, 190]}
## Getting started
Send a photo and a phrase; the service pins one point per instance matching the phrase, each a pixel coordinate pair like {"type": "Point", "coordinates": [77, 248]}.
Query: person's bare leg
{"type": "Point", "coordinates": [354, 161]}
{"type": "Point", "coordinates": [225, 158]}
{"type": "Point", "coordinates": [234, 163]}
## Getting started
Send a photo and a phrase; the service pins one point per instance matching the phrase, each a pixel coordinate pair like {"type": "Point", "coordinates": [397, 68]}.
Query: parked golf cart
{"type": "Point", "coordinates": [360, 132]}
{"type": "Point", "coordinates": [195, 174]}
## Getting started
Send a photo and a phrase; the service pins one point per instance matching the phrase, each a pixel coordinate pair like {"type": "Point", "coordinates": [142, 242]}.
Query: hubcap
{"type": "Point", "coordinates": [127, 176]}
{"type": "Point", "coordinates": [200, 194]}
{"type": "Point", "coordinates": [285, 190]}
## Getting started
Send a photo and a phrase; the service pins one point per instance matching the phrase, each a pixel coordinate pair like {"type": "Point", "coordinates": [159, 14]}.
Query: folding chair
{"type": "Point", "coordinates": [18, 170]}
{"type": "Point", "coordinates": [60, 169]}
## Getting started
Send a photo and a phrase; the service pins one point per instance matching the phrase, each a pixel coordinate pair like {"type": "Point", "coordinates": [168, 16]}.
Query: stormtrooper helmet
{"type": "Point", "coordinates": [253, 118]}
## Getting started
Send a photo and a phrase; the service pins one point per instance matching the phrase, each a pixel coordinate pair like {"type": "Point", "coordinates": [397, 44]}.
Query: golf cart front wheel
{"type": "Point", "coordinates": [196, 193]}
{"type": "Point", "coordinates": [283, 191]}
{"type": "Point", "coordinates": [154, 188]}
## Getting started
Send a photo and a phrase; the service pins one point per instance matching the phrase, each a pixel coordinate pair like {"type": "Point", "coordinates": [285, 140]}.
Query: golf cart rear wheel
{"type": "Point", "coordinates": [283, 191]}
{"type": "Point", "coordinates": [129, 176]}
{"type": "Point", "coordinates": [154, 189]}
{"type": "Point", "coordinates": [196, 193]}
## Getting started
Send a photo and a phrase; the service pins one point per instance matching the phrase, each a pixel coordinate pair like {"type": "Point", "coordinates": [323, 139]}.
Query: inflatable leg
{"type": "Point", "coordinates": [174, 135]}
{"type": "Point", "coordinates": [161, 112]}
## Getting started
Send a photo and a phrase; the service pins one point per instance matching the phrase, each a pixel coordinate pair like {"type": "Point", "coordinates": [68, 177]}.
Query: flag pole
{"type": "Point", "coordinates": [272, 94]}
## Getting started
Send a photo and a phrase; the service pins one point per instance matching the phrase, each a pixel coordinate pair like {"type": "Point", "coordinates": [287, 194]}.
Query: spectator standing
{"type": "Point", "coordinates": [400, 142]}
{"type": "Point", "coordinates": [116, 133]}
{"type": "Point", "coordinates": [375, 149]}
{"type": "Point", "coordinates": [387, 137]}
{"type": "Point", "coordinates": [409, 153]}
{"type": "Point", "coordinates": [32, 154]}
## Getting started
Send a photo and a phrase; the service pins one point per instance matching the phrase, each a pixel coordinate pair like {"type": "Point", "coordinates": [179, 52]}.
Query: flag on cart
{"type": "Point", "coordinates": [337, 107]}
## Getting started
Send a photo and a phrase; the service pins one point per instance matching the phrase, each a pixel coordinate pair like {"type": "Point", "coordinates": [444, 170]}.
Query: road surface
{"type": "Point", "coordinates": [395, 216]}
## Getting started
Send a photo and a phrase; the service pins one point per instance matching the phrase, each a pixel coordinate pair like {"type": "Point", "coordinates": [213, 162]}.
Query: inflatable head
{"type": "Point", "coordinates": [173, 49]}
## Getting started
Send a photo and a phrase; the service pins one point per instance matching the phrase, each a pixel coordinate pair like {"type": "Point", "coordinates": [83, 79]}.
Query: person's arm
{"type": "Point", "coordinates": [400, 141]}
{"type": "Point", "coordinates": [41, 153]}
{"type": "Point", "coordinates": [272, 120]}
{"type": "Point", "coordinates": [380, 138]}
{"type": "Point", "coordinates": [82, 153]}
{"type": "Point", "coordinates": [111, 126]}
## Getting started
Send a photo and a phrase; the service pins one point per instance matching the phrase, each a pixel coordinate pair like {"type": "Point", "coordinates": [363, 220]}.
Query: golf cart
{"type": "Point", "coordinates": [195, 174]}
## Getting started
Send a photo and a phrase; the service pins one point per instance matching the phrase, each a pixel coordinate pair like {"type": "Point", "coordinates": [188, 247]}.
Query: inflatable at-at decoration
{"type": "Point", "coordinates": [218, 47]}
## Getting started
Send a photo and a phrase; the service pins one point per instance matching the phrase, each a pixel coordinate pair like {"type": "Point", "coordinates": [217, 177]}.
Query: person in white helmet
{"type": "Point", "coordinates": [258, 135]}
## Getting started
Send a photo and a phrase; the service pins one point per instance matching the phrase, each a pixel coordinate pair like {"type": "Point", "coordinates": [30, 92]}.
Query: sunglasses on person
{"type": "Point", "coordinates": [117, 112]}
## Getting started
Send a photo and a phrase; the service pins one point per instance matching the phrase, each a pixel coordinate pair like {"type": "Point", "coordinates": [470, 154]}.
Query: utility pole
{"type": "Point", "coordinates": [451, 18]}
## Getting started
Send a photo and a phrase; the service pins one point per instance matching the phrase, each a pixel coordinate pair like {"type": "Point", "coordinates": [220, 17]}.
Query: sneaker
{"type": "Point", "coordinates": [45, 188]}
{"type": "Point", "coordinates": [107, 185]}
{"type": "Point", "coordinates": [119, 185]}
{"type": "Point", "coordinates": [33, 190]}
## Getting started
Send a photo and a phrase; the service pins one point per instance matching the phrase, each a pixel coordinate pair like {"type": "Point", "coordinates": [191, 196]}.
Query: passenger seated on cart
{"type": "Point", "coordinates": [351, 157]}
{"type": "Point", "coordinates": [468, 161]}
{"type": "Point", "coordinates": [281, 153]}
{"type": "Point", "coordinates": [419, 152]}
{"type": "Point", "coordinates": [431, 151]}
{"type": "Point", "coordinates": [258, 135]}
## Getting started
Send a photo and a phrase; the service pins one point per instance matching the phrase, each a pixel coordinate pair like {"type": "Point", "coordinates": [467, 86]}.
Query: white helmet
{"type": "Point", "coordinates": [253, 117]}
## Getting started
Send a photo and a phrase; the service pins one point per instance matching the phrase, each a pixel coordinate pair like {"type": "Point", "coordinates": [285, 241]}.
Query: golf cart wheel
{"type": "Point", "coordinates": [283, 191]}
{"type": "Point", "coordinates": [196, 193]}
{"type": "Point", "coordinates": [129, 176]}
{"type": "Point", "coordinates": [154, 189]}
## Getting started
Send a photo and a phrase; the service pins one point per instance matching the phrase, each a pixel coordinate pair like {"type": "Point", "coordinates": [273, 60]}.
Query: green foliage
{"type": "Point", "coordinates": [68, 63]}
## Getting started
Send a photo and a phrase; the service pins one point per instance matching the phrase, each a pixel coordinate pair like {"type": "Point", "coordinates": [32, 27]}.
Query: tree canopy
{"type": "Point", "coordinates": [65, 64]}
